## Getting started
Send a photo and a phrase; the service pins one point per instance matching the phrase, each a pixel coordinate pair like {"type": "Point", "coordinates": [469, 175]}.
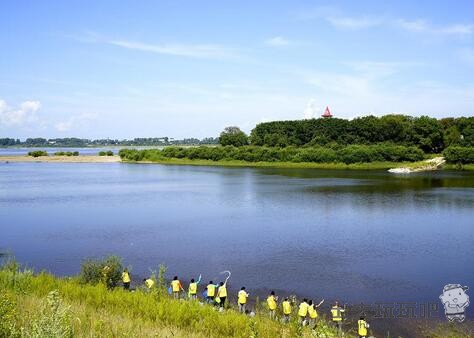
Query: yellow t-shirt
{"type": "Point", "coordinates": [242, 297]}
{"type": "Point", "coordinates": [175, 285]}
{"type": "Point", "coordinates": [271, 301]}
{"type": "Point", "coordinates": [149, 283]}
{"type": "Point", "coordinates": [125, 277]}
{"type": "Point", "coordinates": [336, 313]}
{"type": "Point", "coordinates": [362, 327]}
{"type": "Point", "coordinates": [193, 288]}
{"type": "Point", "coordinates": [286, 307]}
{"type": "Point", "coordinates": [312, 311]}
{"type": "Point", "coordinates": [222, 292]}
{"type": "Point", "coordinates": [211, 290]}
{"type": "Point", "coordinates": [303, 310]}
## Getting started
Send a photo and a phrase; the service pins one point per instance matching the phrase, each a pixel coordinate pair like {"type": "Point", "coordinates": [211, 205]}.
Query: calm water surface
{"type": "Point", "coordinates": [355, 235]}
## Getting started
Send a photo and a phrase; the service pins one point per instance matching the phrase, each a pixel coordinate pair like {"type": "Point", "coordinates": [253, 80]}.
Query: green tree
{"type": "Point", "coordinates": [452, 136]}
{"type": "Point", "coordinates": [233, 136]}
{"type": "Point", "coordinates": [427, 134]}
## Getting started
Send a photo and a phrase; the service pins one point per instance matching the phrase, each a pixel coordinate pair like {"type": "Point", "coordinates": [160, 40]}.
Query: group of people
{"type": "Point", "coordinates": [216, 294]}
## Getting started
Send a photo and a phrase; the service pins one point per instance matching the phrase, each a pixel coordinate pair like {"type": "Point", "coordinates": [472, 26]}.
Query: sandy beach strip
{"type": "Point", "coordinates": [62, 159]}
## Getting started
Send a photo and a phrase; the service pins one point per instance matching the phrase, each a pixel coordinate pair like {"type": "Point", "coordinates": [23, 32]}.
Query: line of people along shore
{"type": "Point", "coordinates": [216, 294]}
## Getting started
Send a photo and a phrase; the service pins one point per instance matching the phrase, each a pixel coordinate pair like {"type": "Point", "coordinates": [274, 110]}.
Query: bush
{"type": "Point", "coordinates": [318, 155]}
{"type": "Point", "coordinates": [328, 154]}
{"type": "Point", "coordinates": [106, 153]}
{"type": "Point", "coordinates": [38, 153]}
{"type": "Point", "coordinates": [463, 155]}
{"type": "Point", "coordinates": [8, 316]}
{"type": "Point", "coordinates": [54, 319]}
{"type": "Point", "coordinates": [66, 153]}
{"type": "Point", "coordinates": [107, 270]}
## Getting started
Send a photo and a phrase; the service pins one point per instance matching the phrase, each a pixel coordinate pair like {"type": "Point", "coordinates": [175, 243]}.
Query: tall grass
{"type": "Point", "coordinates": [81, 304]}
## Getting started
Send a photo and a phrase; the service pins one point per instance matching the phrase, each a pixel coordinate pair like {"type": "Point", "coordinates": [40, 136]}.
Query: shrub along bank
{"type": "Point", "coordinates": [37, 153]}
{"type": "Point", "coordinates": [463, 155]}
{"type": "Point", "coordinates": [335, 154]}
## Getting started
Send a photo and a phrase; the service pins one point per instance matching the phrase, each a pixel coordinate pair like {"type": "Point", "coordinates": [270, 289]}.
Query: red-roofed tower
{"type": "Point", "coordinates": [327, 113]}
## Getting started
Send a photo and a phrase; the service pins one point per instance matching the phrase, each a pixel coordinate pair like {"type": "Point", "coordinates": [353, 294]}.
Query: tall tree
{"type": "Point", "coordinates": [233, 136]}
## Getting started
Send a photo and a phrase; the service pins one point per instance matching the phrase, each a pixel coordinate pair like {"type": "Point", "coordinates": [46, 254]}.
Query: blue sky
{"type": "Point", "coordinates": [123, 69]}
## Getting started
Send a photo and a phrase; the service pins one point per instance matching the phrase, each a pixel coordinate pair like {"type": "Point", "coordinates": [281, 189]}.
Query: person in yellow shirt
{"type": "Point", "coordinates": [222, 294]}
{"type": "Point", "coordinates": [312, 313]}
{"type": "Point", "coordinates": [272, 304]}
{"type": "Point", "coordinates": [286, 307]}
{"type": "Point", "coordinates": [362, 327]}
{"type": "Point", "coordinates": [126, 279]}
{"type": "Point", "coordinates": [336, 312]}
{"type": "Point", "coordinates": [242, 299]}
{"type": "Point", "coordinates": [303, 311]}
{"type": "Point", "coordinates": [176, 287]}
{"type": "Point", "coordinates": [149, 283]}
{"type": "Point", "coordinates": [211, 292]}
{"type": "Point", "coordinates": [193, 288]}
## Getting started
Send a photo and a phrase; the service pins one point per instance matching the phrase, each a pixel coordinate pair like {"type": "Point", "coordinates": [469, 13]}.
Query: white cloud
{"type": "Point", "coordinates": [352, 23]}
{"type": "Point", "coordinates": [75, 122]}
{"type": "Point", "coordinates": [205, 51]}
{"type": "Point", "coordinates": [310, 110]}
{"type": "Point", "coordinates": [458, 29]}
{"type": "Point", "coordinates": [422, 26]}
{"type": "Point", "coordinates": [23, 115]}
{"type": "Point", "coordinates": [64, 126]}
{"type": "Point", "coordinates": [277, 41]}
{"type": "Point", "coordinates": [418, 25]}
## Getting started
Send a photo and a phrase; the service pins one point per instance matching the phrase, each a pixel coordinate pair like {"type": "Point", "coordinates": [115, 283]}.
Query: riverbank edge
{"type": "Point", "coordinates": [97, 310]}
{"type": "Point", "coordinates": [232, 163]}
{"type": "Point", "coordinates": [118, 310]}
{"type": "Point", "coordinates": [300, 165]}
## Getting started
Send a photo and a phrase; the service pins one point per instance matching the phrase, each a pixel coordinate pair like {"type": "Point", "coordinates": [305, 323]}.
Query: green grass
{"type": "Point", "coordinates": [93, 310]}
{"type": "Point", "coordinates": [467, 167]}
{"type": "Point", "coordinates": [283, 165]}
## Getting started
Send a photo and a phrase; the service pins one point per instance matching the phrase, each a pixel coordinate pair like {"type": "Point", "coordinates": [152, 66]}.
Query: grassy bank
{"type": "Point", "coordinates": [44, 305]}
{"type": "Point", "coordinates": [284, 165]}
{"type": "Point", "coordinates": [466, 167]}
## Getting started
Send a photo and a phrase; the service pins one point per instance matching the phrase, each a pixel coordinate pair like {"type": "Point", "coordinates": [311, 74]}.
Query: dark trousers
{"type": "Point", "coordinates": [126, 285]}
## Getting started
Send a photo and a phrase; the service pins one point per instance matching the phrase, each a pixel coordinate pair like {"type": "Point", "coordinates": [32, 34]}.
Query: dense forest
{"type": "Point", "coordinates": [78, 142]}
{"type": "Point", "coordinates": [429, 134]}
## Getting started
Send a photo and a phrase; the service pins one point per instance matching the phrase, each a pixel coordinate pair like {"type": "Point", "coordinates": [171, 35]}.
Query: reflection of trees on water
{"type": "Point", "coordinates": [374, 189]}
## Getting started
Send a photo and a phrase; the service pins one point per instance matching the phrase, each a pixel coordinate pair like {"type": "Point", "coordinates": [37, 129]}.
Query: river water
{"type": "Point", "coordinates": [358, 236]}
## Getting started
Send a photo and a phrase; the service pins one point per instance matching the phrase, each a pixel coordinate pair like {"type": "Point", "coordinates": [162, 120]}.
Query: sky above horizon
{"type": "Point", "coordinates": [124, 69]}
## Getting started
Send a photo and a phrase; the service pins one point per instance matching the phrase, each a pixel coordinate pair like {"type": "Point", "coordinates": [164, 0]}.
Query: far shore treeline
{"type": "Point", "coordinates": [390, 138]}
{"type": "Point", "coordinates": [74, 142]}
{"type": "Point", "coordinates": [429, 134]}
